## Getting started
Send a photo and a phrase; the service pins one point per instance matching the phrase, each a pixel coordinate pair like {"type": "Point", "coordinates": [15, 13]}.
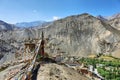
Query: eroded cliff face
{"type": "Point", "coordinates": [79, 35]}
{"type": "Point", "coordinates": [83, 35]}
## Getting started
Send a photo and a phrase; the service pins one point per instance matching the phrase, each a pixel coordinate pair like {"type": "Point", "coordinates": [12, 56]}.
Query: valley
{"type": "Point", "coordinates": [83, 44]}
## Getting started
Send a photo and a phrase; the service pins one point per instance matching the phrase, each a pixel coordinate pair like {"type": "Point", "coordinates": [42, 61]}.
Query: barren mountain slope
{"type": "Point", "coordinates": [82, 35]}
{"type": "Point", "coordinates": [58, 72]}
{"type": "Point", "coordinates": [78, 35]}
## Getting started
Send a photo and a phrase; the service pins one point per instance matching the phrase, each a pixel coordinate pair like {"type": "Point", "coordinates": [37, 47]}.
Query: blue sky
{"type": "Point", "coordinates": [13, 11]}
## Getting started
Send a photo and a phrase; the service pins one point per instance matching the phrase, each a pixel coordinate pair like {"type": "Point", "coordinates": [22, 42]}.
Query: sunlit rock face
{"type": "Point", "coordinates": [82, 35]}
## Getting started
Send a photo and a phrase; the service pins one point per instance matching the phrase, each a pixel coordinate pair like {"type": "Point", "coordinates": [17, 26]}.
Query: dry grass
{"type": "Point", "coordinates": [107, 58]}
{"type": "Point", "coordinates": [92, 56]}
{"type": "Point", "coordinates": [104, 57]}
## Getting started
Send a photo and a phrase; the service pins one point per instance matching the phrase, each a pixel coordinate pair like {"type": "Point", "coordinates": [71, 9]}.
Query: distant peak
{"type": "Point", "coordinates": [2, 22]}
{"type": "Point", "coordinates": [117, 15]}
{"type": "Point", "coordinates": [101, 18]}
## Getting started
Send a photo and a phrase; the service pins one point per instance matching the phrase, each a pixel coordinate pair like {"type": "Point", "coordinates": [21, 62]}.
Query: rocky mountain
{"type": "Point", "coordinates": [77, 35]}
{"type": "Point", "coordinates": [31, 24]}
{"type": "Point", "coordinates": [6, 26]}
{"type": "Point", "coordinates": [82, 35]}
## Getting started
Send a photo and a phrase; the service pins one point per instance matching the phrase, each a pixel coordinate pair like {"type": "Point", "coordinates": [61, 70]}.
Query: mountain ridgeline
{"type": "Point", "coordinates": [5, 26]}
{"type": "Point", "coordinates": [32, 24]}
{"type": "Point", "coordinates": [78, 35]}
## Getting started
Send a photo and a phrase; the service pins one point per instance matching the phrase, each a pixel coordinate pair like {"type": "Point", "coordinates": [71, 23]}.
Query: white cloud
{"type": "Point", "coordinates": [56, 17]}
{"type": "Point", "coordinates": [34, 11]}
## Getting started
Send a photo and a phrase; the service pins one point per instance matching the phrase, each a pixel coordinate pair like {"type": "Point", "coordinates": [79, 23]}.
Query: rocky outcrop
{"type": "Point", "coordinates": [58, 72]}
